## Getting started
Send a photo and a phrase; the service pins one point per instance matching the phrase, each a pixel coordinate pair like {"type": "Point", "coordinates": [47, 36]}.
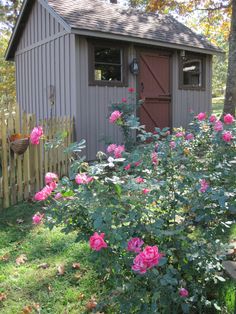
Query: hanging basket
{"type": "Point", "coordinates": [19, 146]}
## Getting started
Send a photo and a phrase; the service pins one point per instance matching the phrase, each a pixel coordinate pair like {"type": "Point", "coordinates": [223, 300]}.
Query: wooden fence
{"type": "Point", "coordinates": [23, 175]}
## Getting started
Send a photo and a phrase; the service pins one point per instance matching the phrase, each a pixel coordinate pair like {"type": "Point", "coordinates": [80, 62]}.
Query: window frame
{"type": "Point", "coordinates": [193, 56]}
{"type": "Point", "coordinates": [91, 63]}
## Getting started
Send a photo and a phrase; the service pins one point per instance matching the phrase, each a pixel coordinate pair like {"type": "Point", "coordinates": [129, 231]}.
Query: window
{"type": "Point", "coordinates": [107, 65]}
{"type": "Point", "coordinates": [192, 72]}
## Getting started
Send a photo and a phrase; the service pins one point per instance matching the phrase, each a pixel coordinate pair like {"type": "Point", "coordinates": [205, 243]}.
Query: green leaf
{"type": "Point", "coordinates": [118, 189]}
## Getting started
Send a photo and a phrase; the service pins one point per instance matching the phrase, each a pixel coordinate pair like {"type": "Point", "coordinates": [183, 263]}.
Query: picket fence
{"type": "Point", "coordinates": [23, 175]}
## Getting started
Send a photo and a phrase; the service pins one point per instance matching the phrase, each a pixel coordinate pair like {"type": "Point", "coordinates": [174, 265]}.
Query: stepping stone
{"type": "Point", "coordinates": [230, 268]}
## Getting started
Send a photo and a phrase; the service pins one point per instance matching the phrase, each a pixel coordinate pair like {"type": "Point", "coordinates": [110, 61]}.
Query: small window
{"type": "Point", "coordinates": [107, 65]}
{"type": "Point", "coordinates": [192, 74]}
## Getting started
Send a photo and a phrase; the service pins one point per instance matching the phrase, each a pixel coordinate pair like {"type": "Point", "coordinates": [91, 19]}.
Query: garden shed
{"type": "Point", "coordinates": [76, 57]}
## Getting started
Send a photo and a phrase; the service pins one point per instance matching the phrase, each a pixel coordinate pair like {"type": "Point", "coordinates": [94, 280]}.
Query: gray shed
{"type": "Point", "coordinates": [76, 57]}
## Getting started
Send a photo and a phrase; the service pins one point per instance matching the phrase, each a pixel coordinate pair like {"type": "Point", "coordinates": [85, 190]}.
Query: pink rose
{"type": "Point", "coordinates": [44, 193]}
{"type": "Point", "coordinates": [218, 126]}
{"type": "Point", "coordinates": [145, 191]}
{"type": "Point", "coordinates": [111, 148]}
{"type": "Point", "coordinates": [227, 136]}
{"type": "Point", "coordinates": [115, 116]}
{"type": "Point", "coordinates": [139, 180]}
{"type": "Point", "coordinates": [189, 137]}
{"type": "Point", "coordinates": [50, 177]}
{"type": "Point", "coordinates": [124, 99]}
{"type": "Point", "coordinates": [134, 245]}
{"type": "Point", "coordinates": [172, 145]}
{"type": "Point", "coordinates": [118, 151]}
{"type": "Point", "coordinates": [228, 119]}
{"type": "Point", "coordinates": [204, 185]}
{"type": "Point", "coordinates": [52, 185]}
{"type": "Point", "coordinates": [183, 292]}
{"type": "Point", "coordinates": [212, 118]}
{"type": "Point", "coordinates": [155, 159]}
{"type": "Point", "coordinates": [127, 167]}
{"type": "Point", "coordinates": [97, 242]}
{"type": "Point", "coordinates": [37, 218]}
{"type": "Point", "coordinates": [201, 116]}
{"type": "Point", "coordinates": [82, 178]}
{"type": "Point", "coordinates": [35, 135]}
{"type": "Point", "coordinates": [151, 256]}
{"type": "Point", "coordinates": [179, 134]}
{"type": "Point", "coordinates": [137, 163]}
{"type": "Point", "coordinates": [131, 89]}
{"type": "Point", "coordinates": [147, 259]}
{"type": "Point", "coordinates": [139, 264]}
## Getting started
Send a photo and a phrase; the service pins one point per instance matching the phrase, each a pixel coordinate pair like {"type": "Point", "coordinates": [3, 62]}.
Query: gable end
{"type": "Point", "coordinates": [36, 22]}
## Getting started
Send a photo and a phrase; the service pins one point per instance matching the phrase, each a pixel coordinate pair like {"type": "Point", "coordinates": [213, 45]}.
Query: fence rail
{"type": "Point", "coordinates": [23, 175]}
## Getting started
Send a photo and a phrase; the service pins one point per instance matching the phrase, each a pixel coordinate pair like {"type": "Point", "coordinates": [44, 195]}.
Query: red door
{"type": "Point", "coordinates": [154, 88]}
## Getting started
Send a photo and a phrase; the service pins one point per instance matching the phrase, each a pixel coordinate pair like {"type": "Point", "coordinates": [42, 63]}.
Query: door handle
{"type": "Point", "coordinates": [142, 87]}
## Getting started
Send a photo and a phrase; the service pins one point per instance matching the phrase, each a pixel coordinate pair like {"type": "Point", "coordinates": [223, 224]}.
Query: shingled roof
{"type": "Point", "coordinates": [102, 19]}
{"type": "Point", "coordinates": [96, 15]}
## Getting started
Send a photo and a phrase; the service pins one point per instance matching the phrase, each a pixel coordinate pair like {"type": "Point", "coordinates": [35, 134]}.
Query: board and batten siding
{"type": "Point", "coordinates": [45, 71]}
{"type": "Point", "coordinates": [93, 104]}
{"type": "Point", "coordinates": [185, 101]}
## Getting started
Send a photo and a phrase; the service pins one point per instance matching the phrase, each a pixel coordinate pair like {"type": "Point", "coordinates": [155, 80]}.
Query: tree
{"type": "Point", "coordinates": [9, 11]}
{"type": "Point", "coordinates": [8, 14]}
{"type": "Point", "coordinates": [230, 95]}
{"type": "Point", "coordinates": [214, 18]}
{"type": "Point", "coordinates": [7, 76]}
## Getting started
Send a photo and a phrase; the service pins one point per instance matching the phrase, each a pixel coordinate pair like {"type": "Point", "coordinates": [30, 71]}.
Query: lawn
{"type": "Point", "coordinates": [36, 282]}
{"type": "Point", "coordinates": [217, 105]}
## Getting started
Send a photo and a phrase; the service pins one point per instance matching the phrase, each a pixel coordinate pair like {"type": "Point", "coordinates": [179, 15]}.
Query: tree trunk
{"type": "Point", "coordinates": [230, 95]}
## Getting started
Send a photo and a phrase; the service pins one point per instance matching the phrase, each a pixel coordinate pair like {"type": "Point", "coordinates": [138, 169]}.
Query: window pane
{"type": "Point", "coordinates": [192, 73]}
{"type": "Point", "coordinates": [107, 55]}
{"type": "Point", "coordinates": [107, 72]}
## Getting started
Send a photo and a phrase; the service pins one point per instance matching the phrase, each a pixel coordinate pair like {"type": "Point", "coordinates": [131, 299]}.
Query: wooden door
{"type": "Point", "coordinates": [154, 89]}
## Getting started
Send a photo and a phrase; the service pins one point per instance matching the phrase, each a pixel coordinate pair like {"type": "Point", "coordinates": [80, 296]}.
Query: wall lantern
{"type": "Point", "coordinates": [182, 54]}
{"type": "Point", "coordinates": [134, 67]}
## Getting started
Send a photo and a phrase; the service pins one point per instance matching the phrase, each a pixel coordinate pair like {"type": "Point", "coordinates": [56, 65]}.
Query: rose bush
{"type": "Point", "coordinates": [153, 213]}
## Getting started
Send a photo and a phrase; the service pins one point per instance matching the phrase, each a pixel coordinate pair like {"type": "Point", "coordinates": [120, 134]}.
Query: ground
{"type": "Point", "coordinates": [217, 104]}
{"type": "Point", "coordinates": [29, 282]}
{"type": "Point", "coordinates": [36, 266]}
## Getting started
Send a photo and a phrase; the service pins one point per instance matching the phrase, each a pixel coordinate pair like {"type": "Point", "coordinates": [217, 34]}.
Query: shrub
{"type": "Point", "coordinates": [153, 215]}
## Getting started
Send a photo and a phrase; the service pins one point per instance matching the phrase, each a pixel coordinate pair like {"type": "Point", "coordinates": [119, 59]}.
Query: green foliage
{"type": "Point", "coordinates": [184, 221]}
{"type": "Point", "coordinates": [9, 11]}
{"type": "Point", "coordinates": [7, 76]}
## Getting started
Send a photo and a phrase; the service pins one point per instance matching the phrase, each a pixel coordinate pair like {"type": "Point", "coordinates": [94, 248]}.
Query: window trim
{"type": "Point", "coordinates": [91, 63]}
{"type": "Point", "coordinates": [202, 59]}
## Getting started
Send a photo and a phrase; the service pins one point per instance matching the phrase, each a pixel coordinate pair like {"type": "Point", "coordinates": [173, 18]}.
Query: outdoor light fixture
{"type": "Point", "coordinates": [134, 67]}
{"type": "Point", "coordinates": [182, 54]}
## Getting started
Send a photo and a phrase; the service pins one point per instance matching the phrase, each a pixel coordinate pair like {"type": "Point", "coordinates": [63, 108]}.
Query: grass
{"type": "Point", "coordinates": [217, 105]}
{"type": "Point", "coordinates": [27, 283]}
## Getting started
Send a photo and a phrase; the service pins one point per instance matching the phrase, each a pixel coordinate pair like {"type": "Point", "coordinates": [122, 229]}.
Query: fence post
{"type": "Point", "coordinates": [25, 128]}
{"type": "Point", "coordinates": [6, 201]}
{"type": "Point", "coordinates": [19, 161]}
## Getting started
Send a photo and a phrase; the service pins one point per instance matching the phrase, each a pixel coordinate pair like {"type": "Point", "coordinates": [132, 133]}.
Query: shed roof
{"type": "Point", "coordinates": [99, 18]}
{"type": "Point", "coordinates": [111, 18]}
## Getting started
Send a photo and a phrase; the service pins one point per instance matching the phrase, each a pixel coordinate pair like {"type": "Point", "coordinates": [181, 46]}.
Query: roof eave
{"type": "Point", "coordinates": [138, 40]}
